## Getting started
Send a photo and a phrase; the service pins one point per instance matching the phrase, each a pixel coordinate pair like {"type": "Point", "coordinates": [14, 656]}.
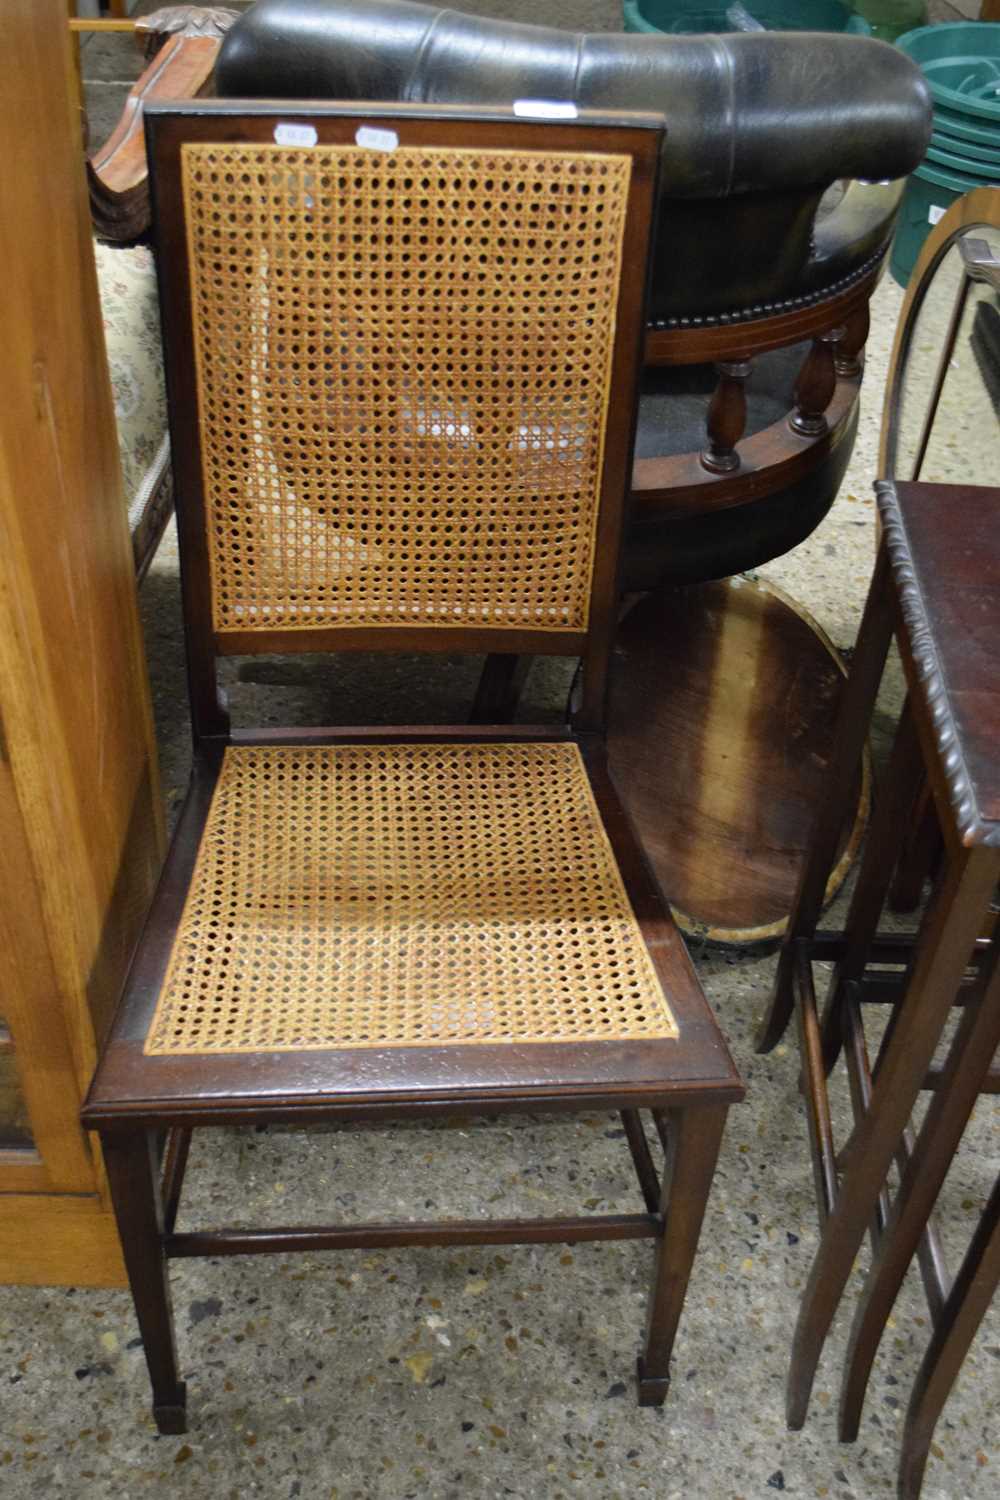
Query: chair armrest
{"type": "Point", "coordinates": [757, 125]}
{"type": "Point", "coordinates": [858, 227]}
{"type": "Point", "coordinates": [182, 43]}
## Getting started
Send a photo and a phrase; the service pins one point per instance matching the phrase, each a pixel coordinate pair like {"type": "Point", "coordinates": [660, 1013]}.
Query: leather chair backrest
{"type": "Point", "coordinates": [758, 124]}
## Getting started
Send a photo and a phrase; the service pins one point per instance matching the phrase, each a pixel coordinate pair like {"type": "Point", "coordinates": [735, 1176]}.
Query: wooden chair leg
{"type": "Point", "coordinates": [694, 1139]}
{"type": "Point", "coordinates": [649, 1183]}
{"type": "Point", "coordinates": [919, 856]}
{"type": "Point", "coordinates": [133, 1175]}
{"type": "Point", "coordinates": [500, 686]}
{"type": "Point", "coordinates": [853, 718]}
{"type": "Point", "coordinates": [174, 1167]}
{"type": "Point", "coordinates": [949, 932]}
{"type": "Point", "coordinates": [874, 876]}
{"type": "Point", "coordinates": [969, 1060]}
{"type": "Point", "coordinates": [964, 1309]}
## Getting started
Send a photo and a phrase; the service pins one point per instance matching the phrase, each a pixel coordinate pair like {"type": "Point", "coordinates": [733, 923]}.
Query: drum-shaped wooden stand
{"type": "Point", "coordinates": [724, 697]}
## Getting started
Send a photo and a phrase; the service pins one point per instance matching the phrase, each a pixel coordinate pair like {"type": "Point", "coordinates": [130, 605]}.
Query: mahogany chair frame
{"type": "Point", "coordinates": [687, 1083]}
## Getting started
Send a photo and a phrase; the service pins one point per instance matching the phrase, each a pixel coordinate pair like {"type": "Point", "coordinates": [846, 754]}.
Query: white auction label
{"type": "Point", "coordinates": [376, 140]}
{"type": "Point", "coordinates": [545, 109]}
{"type": "Point", "coordinates": [935, 214]}
{"type": "Point", "coordinates": [287, 134]}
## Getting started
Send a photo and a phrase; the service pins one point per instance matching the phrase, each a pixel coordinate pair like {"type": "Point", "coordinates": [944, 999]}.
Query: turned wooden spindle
{"type": "Point", "coordinates": [847, 357]}
{"type": "Point", "coordinates": [727, 417]}
{"type": "Point", "coordinates": [816, 385]}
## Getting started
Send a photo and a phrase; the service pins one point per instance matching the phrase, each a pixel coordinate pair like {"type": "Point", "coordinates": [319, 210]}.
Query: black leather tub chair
{"type": "Point", "coordinates": [780, 181]}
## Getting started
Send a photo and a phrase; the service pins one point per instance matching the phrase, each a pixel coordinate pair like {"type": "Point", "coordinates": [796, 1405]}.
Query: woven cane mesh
{"type": "Point", "coordinates": [395, 895]}
{"type": "Point", "coordinates": [403, 362]}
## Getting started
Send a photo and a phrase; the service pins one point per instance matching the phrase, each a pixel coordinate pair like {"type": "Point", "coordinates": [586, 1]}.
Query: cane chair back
{"type": "Point", "coordinates": [391, 374]}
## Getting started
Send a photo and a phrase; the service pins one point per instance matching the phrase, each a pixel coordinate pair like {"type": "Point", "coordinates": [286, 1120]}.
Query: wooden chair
{"type": "Point", "coordinates": [394, 429]}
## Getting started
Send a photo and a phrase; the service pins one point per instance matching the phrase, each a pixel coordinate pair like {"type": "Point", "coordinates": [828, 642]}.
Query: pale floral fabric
{"type": "Point", "coordinates": [127, 280]}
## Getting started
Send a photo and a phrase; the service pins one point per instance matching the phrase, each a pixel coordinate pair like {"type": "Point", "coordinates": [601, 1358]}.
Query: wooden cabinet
{"type": "Point", "coordinates": [81, 833]}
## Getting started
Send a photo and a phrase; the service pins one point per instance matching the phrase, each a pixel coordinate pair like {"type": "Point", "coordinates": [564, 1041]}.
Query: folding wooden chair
{"type": "Point", "coordinates": [402, 349]}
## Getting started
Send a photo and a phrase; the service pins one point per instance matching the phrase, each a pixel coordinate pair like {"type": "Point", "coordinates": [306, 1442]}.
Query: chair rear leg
{"type": "Point", "coordinates": [920, 856]}
{"type": "Point", "coordinates": [694, 1138]}
{"type": "Point", "coordinates": [133, 1175]}
{"type": "Point", "coordinates": [500, 686]}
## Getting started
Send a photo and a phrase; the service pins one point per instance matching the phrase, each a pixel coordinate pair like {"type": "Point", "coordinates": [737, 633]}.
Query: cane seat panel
{"type": "Point", "coordinates": [354, 896]}
{"type": "Point", "coordinates": [403, 364]}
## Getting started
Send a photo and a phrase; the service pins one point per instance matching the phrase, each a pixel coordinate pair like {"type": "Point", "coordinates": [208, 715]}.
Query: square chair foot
{"type": "Point", "coordinates": [171, 1421]}
{"type": "Point", "coordinates": [652, 1388]}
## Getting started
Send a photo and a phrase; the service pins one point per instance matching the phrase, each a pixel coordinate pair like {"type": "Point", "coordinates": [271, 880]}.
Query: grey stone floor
{"type": "Point", "coordinates": [494, 1373]}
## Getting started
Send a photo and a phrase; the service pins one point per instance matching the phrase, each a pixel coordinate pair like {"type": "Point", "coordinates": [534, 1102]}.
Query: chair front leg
{"type": "Point", "coordinates": [134, 1179]}
{"type": "Point", "coordinates": [694, 1137]}
{"type": "Point", "coordinates": [853, 718]}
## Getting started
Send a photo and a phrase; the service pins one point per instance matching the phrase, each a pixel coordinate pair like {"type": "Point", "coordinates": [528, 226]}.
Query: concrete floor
{"type": "Point", "coordinates": [485, 1373]}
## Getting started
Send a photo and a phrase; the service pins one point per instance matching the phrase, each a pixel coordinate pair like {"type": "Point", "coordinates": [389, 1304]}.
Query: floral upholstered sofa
{"type": "Point", "coordinates": [126, 278]}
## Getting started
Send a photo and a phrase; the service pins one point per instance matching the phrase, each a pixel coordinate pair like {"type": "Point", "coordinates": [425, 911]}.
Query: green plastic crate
{"type": "Point", "coordinates": [961, 62]}
{"type": "Point", "coordinates": [930, 192]}
{"type": "Point", "coordinates": [773, 15]}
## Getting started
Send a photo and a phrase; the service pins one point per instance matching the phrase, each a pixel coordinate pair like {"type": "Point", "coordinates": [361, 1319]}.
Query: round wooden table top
{"type": "Point", "coordinates": [720, 728]}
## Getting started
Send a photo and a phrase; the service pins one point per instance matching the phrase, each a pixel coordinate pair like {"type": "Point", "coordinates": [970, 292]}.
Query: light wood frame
{"type": "Point", "coordinates": [80, 815]}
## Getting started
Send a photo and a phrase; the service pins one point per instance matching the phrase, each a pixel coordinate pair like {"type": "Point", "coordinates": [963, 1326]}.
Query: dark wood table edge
{"type": "Point", "coordinates": [924, 670]}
